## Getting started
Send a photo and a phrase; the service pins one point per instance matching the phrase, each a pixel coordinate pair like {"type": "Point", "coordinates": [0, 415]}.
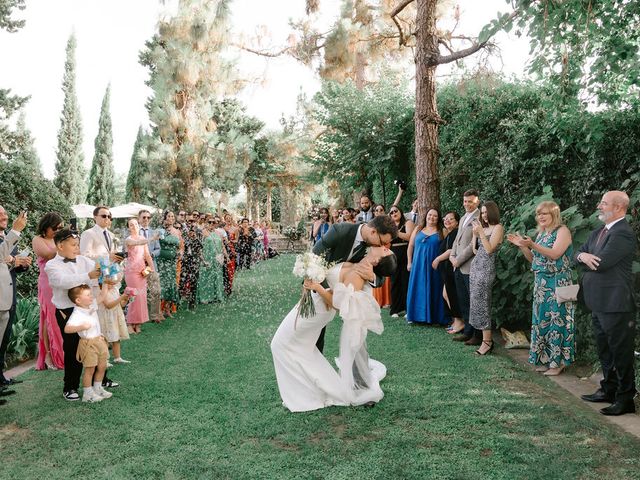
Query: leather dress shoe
{"type": "Point", "coordinates": [619, 408]}
{"type": "Point", "coordinates": [6, 393]}
{"type": "Point", "coordinates": [461, 338]}
{"type": "Point", "coordinates": [10, 381]}
{"type": "Point", "coordinates": [473, 341]}
{"type": "Point", "coordinates": [598, 397]}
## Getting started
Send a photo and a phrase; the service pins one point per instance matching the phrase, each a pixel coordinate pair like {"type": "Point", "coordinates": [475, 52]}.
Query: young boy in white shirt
{"type": "Point", "coordinates": [93, 350]}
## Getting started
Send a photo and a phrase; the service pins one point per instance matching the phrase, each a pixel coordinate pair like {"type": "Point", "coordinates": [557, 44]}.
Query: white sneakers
{"type": "Point", "coordinates": [95, 394]}
{"type": "Point", "coordinates": [120, 360]}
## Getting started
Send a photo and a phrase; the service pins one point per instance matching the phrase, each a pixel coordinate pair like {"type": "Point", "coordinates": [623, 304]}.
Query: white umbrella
{"type": "Point", "coordinates": [132, 209]}
{"type": "Point", "coordinates": [83, 210]}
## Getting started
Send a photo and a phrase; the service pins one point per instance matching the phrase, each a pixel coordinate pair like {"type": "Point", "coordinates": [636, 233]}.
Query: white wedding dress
{"type": "Point", "coordinates": [306, 379]}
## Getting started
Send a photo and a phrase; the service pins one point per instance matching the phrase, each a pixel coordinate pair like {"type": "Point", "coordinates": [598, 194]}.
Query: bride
{"type": "Point", "coordinates": [306, 379]}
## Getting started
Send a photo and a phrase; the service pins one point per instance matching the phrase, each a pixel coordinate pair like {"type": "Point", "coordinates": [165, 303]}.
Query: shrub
{"type": "Point", "coordinates": [24, 333]}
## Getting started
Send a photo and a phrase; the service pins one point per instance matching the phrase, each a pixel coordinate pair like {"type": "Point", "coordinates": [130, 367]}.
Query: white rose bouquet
{"type": "Point", "coordinates": [309, 266]}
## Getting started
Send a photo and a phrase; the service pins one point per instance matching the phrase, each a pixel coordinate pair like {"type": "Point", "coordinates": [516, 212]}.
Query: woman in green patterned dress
{"type": "Point", "coordinates": [166, 261]}
{"type": "Point", "coordinates": [552, 326]}
{"type": "Point", "coordinates": [210, 285]}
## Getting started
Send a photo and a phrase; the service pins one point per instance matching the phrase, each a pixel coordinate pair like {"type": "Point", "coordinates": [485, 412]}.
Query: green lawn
{"type": "Point", "coordinates": [199, 400]}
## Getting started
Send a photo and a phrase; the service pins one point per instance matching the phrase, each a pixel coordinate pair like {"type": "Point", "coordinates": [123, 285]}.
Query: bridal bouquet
{"type": "Point", "coordinates": [309, 266]}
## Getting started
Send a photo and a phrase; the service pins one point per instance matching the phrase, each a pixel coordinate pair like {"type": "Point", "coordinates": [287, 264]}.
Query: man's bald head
{"type": "Point", "coordinates": [613, 206]}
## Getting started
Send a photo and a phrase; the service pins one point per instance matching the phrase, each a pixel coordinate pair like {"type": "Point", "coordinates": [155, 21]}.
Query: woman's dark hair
{"type": "Point", "coordinates": [493, 213]}
{"type": "Point", "coordinates": [402, 219]}
{"type": "Point", "coordinates": [455, 214]}
{"type": "Point", "coordinates": [384, 225]}
{"type": "Point", "coordinates": [49, 220]}
{"type": "Point", "coordinates": [386, 266]}
{"type": "Point", "coordinates": [422, 222]}
{"type": "Point", "coordinates": [165, 214]}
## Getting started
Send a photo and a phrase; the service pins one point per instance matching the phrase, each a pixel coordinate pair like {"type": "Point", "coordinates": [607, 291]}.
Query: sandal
{"type": "Point", "coordinates": [489, 344]}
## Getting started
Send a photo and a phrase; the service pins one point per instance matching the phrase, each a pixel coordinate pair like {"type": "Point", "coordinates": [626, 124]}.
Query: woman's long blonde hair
{"type": "Point", "coordinates": [554, 210]}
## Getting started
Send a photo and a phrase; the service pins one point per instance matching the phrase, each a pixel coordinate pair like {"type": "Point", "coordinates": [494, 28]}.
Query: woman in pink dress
{"type": "Point", "coordinates": [50, 354]}
{"type": "Point", "coordinates": [138, 259]}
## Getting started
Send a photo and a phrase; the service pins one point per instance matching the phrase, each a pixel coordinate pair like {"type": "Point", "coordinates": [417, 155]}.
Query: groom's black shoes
{"type": "Point", "coordinates": [598, 397]}
{"type": "Point", "coordinates": [461, 338]}
{"type": "Point", "coordinates": [620, 408]}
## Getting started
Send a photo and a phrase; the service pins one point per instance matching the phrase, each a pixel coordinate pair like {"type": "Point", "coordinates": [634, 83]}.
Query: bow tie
{"type": "Point", "coordinates": [67, 260]}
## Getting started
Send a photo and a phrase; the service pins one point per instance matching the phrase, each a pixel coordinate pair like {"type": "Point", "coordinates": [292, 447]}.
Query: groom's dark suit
{"type": "Point", "coordinates": [335, 246]}
{"type": "Point", "coordinates": [608, 293]}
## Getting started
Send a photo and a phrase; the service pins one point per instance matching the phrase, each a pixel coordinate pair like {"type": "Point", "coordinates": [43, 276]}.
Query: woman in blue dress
{"type": "Point", "coordinates": [425, 303]}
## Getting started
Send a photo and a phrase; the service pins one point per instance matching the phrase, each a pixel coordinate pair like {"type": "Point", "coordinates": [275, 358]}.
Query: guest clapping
{"type": "Point", "coordinates": [139, 265]}
{"type": "Point", "coordinates": [552, 324]}
{"type": "Point", "coordinates": [400, 278]}
{"type": "Point", "coordinates": [487, 237]}
{"type": "Point", "coordinates": [167, 261]}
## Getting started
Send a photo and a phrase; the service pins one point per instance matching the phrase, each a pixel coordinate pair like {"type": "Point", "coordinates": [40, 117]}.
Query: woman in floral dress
{"type": "Point", "coordinates": [167, 262]}
{"type": "Point", "coordinates": [552, 324]}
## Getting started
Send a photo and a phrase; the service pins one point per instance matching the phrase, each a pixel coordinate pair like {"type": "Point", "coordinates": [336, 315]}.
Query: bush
{"type": "Point", "coordinates": [24, 333]}
{"type": "Point", "coordinates": [23, 189]}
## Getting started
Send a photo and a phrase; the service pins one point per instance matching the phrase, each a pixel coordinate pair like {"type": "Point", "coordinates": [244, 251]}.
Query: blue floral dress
{"type": "Point", "coordinates": [552, 324]}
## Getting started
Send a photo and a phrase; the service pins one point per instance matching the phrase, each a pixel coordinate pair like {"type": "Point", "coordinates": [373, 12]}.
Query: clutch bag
{"type": "Point", "coordinates": [568, 293]}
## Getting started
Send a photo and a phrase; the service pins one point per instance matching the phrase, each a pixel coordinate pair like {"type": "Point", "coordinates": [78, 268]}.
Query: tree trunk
{"type": "Point", "coordinates": [426, 116]}
{"type": "Point", "coordinates": [249, 204]}
{"type": "Point", "coordinates": [269, 213]}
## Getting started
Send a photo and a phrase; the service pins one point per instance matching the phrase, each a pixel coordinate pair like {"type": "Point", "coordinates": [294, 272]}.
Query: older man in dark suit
{"type": "Point", "coordinates": [607, 288]}
{"type": "Point", "coordinates": [12, 263]}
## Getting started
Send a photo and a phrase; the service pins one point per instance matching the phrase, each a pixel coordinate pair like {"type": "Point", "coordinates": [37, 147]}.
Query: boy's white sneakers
{"type": "Point", "coordinates": [91, 396]}
{"type": "Point", "coordinates": [102, 392]}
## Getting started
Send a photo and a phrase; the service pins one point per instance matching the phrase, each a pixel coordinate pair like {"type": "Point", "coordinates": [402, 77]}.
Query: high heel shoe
{"type": "Point", "coordinates": [48, 362]}
{"type": "Point", "coordinates": [490, 344]}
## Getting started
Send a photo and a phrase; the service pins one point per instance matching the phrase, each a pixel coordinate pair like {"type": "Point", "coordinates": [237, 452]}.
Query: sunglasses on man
{"type": "Point", "coordinates": [145, 217]}
{"type": "Point", "coordinates": [106, 215]}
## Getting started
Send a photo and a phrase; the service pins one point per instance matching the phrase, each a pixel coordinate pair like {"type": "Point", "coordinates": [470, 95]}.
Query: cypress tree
{"type": "Point", "coordinates": [26, 155]}
{"type": "Point", "coordinates": [101, 177]}
{"type": "Point", "coordinates": [70, 171]}
{"type": "Point", "coordinates": [138, 170]}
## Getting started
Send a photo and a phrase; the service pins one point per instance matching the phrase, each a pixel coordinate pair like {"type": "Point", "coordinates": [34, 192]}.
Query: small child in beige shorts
{"type": "Point", "coordinates": [93, 350]}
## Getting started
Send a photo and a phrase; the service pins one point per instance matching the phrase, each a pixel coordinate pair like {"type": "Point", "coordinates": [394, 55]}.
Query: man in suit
{"type": "Point", "coordinates": [461, 256]}
{"type": "Point", "coordinates": [347, 242]}
{"type": "Point", "coordinates": [153, 279]}
{"type": "Point", "coordinates": [366, 212]}
{"type": "Point", "coordinates": [95, 243]}
{"type": "Point", "coordinates": [607, 289]}
{"type": "Point", "coordinates": [10, 264]}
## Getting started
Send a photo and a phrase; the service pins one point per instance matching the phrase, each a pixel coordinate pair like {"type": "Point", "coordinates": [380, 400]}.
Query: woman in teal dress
{"type": "Point", "coordinates": [210, 285]}
{"type": "Point", "coordinates": [552, 325]}
{"type": "Point", "coordinates": [167, 261]}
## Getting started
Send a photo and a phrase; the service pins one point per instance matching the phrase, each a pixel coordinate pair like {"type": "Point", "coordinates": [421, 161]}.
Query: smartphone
{"type": "Point", "coordinates": [24, 253]}
{"type": "Point", "coordinates": [73, 224]}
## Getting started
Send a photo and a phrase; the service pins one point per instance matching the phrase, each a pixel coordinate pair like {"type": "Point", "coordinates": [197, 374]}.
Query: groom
{"type": "Point", "coordinates": [348, 242]}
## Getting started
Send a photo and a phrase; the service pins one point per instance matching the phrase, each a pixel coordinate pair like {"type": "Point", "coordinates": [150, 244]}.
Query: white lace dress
{"type": "Point", "coordinates": [306, 379]}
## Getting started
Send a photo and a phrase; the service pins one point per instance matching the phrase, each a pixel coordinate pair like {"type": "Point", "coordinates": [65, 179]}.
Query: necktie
{"type": "Point", "coordinates": [107, 239]}
{"type": "Point", "coordinates": [603, 232]}
{"type": "Point", "coordinates": [144, 233]}
{"type": "Point", "coordinates": [67, 260]}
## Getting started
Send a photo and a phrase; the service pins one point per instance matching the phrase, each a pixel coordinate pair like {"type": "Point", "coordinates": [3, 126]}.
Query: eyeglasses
{"type": "Point", "coordinates": [146, 218]}
{"type": "Point", "coordinates": [379, 210]}
{"type": "Point", "coordinates": [212, 222]}
{"type": "Point", "coordinates": [391, 212]}
{"type": "Point", "coordinates": [104, 215]}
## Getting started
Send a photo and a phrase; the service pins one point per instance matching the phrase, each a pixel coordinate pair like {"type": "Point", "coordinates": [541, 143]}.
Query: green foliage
{"type": "Point", "coordinates": [139, 181]}
{"type": "Point", "coordinates": [70, 171]}
{"type": "Point", "coordinates": [23, 189]}
{"type": "Point", "coordinates": [26, 155]}
{"type": "Point", "coordinates": [579, 44]}
{"type": "Point", "coordinates": [10, 140]}
{"type": "Point", "coordinates": [6, 10]}
{"type": "Point", "coordinates": [23, 343]}
{"type": "Point", "coordinates": [368, 136]}
{"type": "Point", "coordinates": [101, 177]}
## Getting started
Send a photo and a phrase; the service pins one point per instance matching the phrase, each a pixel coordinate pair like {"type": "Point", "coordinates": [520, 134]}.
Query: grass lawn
{"type": "Point", "coordinates": [199, 400]}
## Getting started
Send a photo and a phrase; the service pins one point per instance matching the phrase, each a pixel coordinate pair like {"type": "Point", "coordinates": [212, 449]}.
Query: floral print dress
{"type": "Point", "coordinates": [552, 324]}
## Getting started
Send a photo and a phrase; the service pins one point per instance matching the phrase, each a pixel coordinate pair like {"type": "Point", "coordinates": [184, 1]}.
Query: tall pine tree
{"type": "Point", "coordinates": [101, 178]}
{"type": "Point", "coordinates": [26, 155]}
{"type": "Point", "coordinates": [189, 70]}
{"type": "Point", "coordinates": [70, 171]}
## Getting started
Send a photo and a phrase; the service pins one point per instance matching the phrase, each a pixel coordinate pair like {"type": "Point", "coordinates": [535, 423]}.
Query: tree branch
{"type": "Point", "coordinates": [394, 13]}
{"type": "Point", "coordinates": [263, 53]}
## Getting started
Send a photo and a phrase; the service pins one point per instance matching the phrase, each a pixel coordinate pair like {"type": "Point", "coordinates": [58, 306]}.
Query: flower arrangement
{"type": "Point", "coordinates": [293, 233]}
{"type": "Point", "coordinates": [313, 267]}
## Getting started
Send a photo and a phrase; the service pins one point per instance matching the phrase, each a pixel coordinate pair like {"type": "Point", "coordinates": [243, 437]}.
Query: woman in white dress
{"type": "Point", "coordinates": [306, 379]}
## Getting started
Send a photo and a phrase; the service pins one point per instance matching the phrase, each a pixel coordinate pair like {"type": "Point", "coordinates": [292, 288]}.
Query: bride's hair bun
{"type": "Point", "coordinates": [386, 266]}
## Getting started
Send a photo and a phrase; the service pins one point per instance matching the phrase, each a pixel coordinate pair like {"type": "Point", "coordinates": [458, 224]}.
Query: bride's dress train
{"type": "Point", "coordinates": [306, 379]}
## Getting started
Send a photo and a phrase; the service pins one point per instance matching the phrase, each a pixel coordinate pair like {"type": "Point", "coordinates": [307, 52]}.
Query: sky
{"type": "Point", "coordinates": [111, 33]}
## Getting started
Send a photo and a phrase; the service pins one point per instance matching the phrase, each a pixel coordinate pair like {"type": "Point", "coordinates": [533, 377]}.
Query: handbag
{"type": "Point", "coordinates": [145, 271]}
{"type": "Point", "coordinates": [568, 293]}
